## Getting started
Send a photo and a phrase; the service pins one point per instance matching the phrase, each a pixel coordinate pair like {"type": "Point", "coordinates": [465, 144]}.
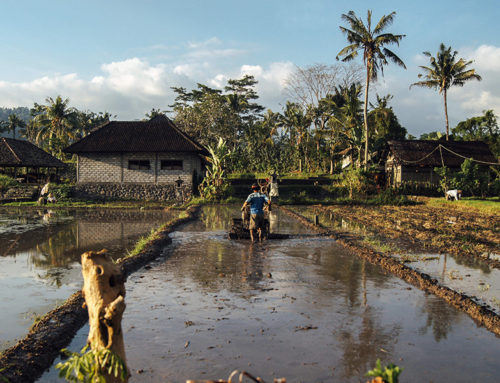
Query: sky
{"type": "Point", "coordinates": [123, 56]}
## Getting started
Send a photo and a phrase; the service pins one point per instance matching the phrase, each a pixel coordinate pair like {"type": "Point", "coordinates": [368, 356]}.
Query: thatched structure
{"type": "Point", "coordinates": [21, 159]}
{"type": "Point", "coordinates": [415, 160]}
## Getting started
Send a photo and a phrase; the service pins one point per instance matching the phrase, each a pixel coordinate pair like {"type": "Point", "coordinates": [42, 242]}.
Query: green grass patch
{"type": "Point", "coordinates": [96, 204]}
{"type": "Point", "coordinates": [483, 205]}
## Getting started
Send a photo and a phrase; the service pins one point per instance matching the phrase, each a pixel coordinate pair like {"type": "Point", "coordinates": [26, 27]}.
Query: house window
{"type": "Point", "coordinates": [171, 164]}
{"type": "Point", "coordinates": [139, 165]}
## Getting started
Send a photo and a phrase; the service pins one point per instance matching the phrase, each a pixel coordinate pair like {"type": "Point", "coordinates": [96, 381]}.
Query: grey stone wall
{"type": "Point", "coordinates": [129, 191]}
{"type": "Point", "coordinates": [99, 167]}
{"type": "Point", "coordinates": [105, 167]}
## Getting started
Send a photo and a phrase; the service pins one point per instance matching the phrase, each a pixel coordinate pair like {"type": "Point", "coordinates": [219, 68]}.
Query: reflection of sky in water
{"type": "Point", "coordinates": [464, 274]}
{"type": "Point", "coordinates": [305, 309]}
{"type": "Point", "coordinates": [40, 253]}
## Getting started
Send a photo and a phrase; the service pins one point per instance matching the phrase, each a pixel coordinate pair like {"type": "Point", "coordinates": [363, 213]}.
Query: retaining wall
{"type": "Point", "coordinates": [147, 192]}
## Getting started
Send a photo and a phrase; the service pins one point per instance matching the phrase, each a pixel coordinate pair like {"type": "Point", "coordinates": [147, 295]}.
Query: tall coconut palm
{"type": "Point", "coordinates": [296, 121]}
{"type": "Point", "coordinates": [372, 43]}
{"type": "Point", "coordinates": [15, 122]}
{"type": "Point", "coordinates": [55, 124]}
{"type": "Point", "coordinates": [444, 72]}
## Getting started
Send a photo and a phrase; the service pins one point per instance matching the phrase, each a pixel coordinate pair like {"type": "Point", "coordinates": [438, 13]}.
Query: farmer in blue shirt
{"type": "Point", "coordinates": [256, 200]}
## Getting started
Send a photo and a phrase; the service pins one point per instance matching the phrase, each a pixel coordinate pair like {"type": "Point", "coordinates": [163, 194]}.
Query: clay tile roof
{"type": "Point", "coordinates": [418, 152]}
{"type": "Point", "coordinates": [19, 153]}
{"type": "Point", "coordinates": [156, 135]}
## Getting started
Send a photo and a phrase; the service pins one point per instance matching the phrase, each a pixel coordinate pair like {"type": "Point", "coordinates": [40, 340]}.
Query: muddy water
{"type": "Point", "coordinates": [40, 253]}
{"type": "Point", "coordinates": [465, 274]}
{"type": "Point", "coordinates": [304, 309]}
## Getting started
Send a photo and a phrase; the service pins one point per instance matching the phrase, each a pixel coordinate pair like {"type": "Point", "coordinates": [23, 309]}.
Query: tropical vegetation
{"type": "Point", "coordinates": [372, 42]}
{"type": "Point", "coordinates": [445, 71]}
{"type": "Point", "coordinates": [328, 123]}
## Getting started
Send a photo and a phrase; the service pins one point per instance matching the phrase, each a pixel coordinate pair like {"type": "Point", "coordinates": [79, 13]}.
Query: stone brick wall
{"type": "Point", "coordinates": [114, 168]}
{"type": "Point", "coordinates": [132, 191]}
{"type": "Point", "coordinates": [99, 167]}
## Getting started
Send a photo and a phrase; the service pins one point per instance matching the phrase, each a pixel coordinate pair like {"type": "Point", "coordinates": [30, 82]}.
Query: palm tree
{"type": "Point", "coordinates": [444, 72]}
{"type": "Point", "coordinates": [55, 124]}
{"type": "Point", "coordinates": [15, 122]}
{"type": "Point", "coordinates": [372, 43]}
{"type": "Point", "coordinates": [296, 121]}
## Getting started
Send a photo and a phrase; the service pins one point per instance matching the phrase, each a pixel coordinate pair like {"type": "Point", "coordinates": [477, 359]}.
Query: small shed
{"type": "Point", "coordinates": [415, 160]}
{"type": "Point", "coordinates": [27, 162]}
{"type": "Point", "coordinates": [138, 159]}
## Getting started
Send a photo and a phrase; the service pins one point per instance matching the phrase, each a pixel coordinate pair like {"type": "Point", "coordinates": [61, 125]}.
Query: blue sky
{"type": "Point", "coordinates": [123, 56]}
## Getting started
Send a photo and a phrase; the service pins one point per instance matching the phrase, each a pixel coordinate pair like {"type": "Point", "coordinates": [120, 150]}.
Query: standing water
{"type": "Point", "coordinates": [40, 256]}
{"type": "Point", "coordinates": [303, 308]}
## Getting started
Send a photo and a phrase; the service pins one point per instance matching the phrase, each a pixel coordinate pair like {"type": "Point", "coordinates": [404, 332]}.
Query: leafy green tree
{"type": "Point", "coordinates": [240, 94]}
{"type": "Point", "coordinates": [155, 113]}
{"type": "Point", "coordinates": [87, 121]}
{"type": "Point", "coordinates": [445, 71]}
{"type": "Point", "coordinates": [482, 128]}
{"type": "Point", "coordinates": [384, 123]}
{"type": "Point", "coordinates": [205, 115]}
{"type": "Point", "coordinates": [470, 178]}
{"type": "Point", "coordinates": [432, 136]}
{"type": "Point", "coordinates": [372, 42]}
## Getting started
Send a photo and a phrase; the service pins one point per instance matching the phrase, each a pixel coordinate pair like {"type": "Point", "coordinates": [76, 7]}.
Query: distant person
{"type": "Point", "coordinates": [45, 189]}
{"type": "Point", "coordinates": [274, 192]}
{"type": "Point", "coordinates": [256, 200]}
{"type": "Point", "coordinates": [51, 198]}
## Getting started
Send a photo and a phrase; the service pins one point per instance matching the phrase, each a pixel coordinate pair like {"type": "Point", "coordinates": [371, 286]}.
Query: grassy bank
{"type": "Point", "coordinates": [486, 205]}
{"type": "Point", "coordinates": [95, 204]}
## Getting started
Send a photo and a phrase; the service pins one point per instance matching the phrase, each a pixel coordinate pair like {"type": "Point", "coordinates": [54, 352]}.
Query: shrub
{"type": "Point", "coordinates": [7, 182]}
{"type": "Point", "coordinates": [61, 191]}
{"type": "Point", "coordinates": [357, 181]}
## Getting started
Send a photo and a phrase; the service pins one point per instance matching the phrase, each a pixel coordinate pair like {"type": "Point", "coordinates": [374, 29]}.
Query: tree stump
{"type": "Point", "coordinates": [104, 292]}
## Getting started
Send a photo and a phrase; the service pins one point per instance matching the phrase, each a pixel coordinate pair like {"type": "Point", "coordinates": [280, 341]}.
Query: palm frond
{"type": "Point", "coordinates": [384, 22]}
{"type": "Point", "coordinates": [394, 58]}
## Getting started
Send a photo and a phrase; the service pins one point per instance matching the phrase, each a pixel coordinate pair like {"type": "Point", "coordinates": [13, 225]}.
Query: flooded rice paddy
{"type": "Point", "coordinates": [40, 256]}
{"type": "Point", "coordinates": [304, 308]}
{"type": "Point", "coordinates": [462, 273]}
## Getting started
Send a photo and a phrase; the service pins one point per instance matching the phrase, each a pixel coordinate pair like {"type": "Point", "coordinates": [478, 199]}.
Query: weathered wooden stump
{"type": "Point", "coordinates": [104, 292]}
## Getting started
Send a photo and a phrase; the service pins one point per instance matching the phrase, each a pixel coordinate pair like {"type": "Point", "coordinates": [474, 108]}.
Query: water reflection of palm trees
{"type": "Point", "coordinates": [217, 217]}
{"type": "Point", "coordinates": [440, 317]}
{"type": "Point", "coordinates": [54, 251]}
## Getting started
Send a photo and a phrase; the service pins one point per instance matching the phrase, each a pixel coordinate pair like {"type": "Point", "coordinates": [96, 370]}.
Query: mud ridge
{"type": "Point", "coordinates": [479, 313]}
{"type": "Point", "coordinates": [26, 361]}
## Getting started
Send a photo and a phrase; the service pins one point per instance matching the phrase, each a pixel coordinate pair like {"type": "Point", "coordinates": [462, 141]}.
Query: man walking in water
{"type": "Point", "coordinates": [256, 200]}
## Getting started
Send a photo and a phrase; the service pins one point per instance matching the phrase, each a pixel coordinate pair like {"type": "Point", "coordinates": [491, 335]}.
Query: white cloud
{"type": "Point", "coordinates": [134, 75]}
{"type": "Point", "coordinates": [131, 87]}
{"type": "Point", "coordinates": [203, 44]}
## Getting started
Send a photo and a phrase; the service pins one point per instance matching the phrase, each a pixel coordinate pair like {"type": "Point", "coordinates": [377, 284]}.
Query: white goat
{"type": "Point", "coordinates": [453, 194]}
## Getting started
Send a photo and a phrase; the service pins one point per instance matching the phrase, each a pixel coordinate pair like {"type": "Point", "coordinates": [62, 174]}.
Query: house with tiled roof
{"type": "Point", "coordinates": [415, 160]}
{"type": "Point", "coordinates": [124, 157]}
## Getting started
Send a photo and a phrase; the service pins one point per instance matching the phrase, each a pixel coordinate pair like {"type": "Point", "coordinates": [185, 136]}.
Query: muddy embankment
{"type": "Point", "coordinates": [30, 357]}
{"type": "Point", "coordinates": [482, 315]}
